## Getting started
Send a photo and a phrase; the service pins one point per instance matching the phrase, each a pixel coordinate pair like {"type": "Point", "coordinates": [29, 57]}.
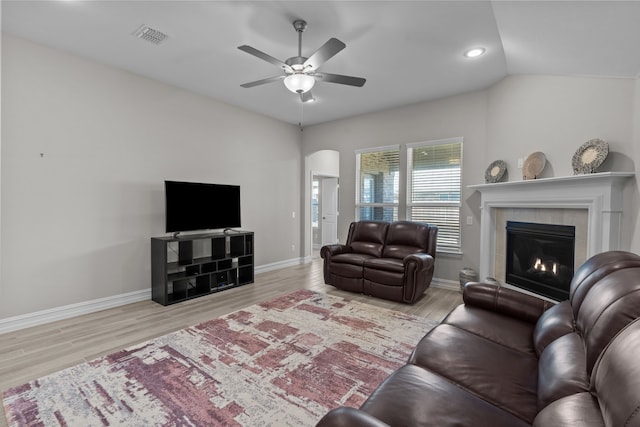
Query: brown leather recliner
{"type": "Point", "coordinates": [505, 358]}
{"type": "Point", "coordinates": [391, 260]}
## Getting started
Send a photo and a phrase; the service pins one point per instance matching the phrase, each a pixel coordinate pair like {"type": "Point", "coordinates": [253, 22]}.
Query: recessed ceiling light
{"type": "Point", "coordinates": [475, 52]}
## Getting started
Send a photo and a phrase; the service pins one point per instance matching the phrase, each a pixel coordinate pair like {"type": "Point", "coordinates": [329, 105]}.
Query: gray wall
{"type": "Point", "coordinates": [556, 115]}
{"type": "Point", "coordinates": [517, 116]}
{"type": "Point", "coordinates": [463, 115]}
{"type": "Point", "coordinates": [76, 220]}
{"type": "Point", "coordinates": [85, 151]}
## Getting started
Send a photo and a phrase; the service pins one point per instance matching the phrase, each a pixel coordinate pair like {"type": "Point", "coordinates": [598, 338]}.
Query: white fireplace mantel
{"type": "Point", "coordinates": [599, 193]}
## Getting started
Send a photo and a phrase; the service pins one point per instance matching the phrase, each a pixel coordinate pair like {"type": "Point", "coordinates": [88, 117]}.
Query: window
{"type": "Point", "coordinates": [434, 187]}
{"type": "Point", "coordinates": [434, 177]}
{"type": "Point", "coordinates": [378, 176]}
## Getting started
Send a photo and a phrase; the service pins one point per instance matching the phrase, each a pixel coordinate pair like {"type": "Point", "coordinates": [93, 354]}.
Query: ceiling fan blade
{"type": "Point", "coordinates": [343, 80]}
{"type": "Point", "coordinates": [307, 97]}
{"type": "Point", "coordinates": [263, 81]}
{"type": "Point", "coordinates": [324, 53]}
{"type": "Point", "coordinates": [255, 52]}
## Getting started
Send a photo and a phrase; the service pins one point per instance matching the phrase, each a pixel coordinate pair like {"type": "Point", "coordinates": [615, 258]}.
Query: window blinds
{"type": "Point", "coordinates": [379, 173]}
{"type": "Point", "coordinates": [434, 189]}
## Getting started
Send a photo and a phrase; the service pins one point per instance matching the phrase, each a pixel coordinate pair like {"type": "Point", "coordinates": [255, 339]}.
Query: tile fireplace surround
{"type": "Point", "coordinates": [592, 203]}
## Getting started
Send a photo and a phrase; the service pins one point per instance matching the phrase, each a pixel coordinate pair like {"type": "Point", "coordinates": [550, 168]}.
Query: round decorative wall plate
{"type": "Point", "coordinates": [589, 156]}
{"type": "Point", "coordinates": [495, 171]}
{"type": "Point", "coordinates": [534, 165]}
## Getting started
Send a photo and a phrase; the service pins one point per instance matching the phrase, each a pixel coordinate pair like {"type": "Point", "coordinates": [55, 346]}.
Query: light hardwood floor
{"type": "Point", "coordinates": [34, 352]}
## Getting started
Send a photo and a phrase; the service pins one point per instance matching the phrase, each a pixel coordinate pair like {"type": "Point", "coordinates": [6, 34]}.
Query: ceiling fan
{"type": "Point", "coordinates": [300, 73]}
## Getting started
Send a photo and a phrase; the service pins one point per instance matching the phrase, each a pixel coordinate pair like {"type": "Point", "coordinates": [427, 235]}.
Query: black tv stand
{"type": "Point", "coordinates": [189, 266]}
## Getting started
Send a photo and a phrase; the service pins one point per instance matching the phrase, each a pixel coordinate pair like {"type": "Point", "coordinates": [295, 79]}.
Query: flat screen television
{"type": "Point", "coordinates": [193, 206]}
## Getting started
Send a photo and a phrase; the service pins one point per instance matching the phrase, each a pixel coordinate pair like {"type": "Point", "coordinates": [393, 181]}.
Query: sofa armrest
{"type": "Point", "coordinates": [504, 300]}
{"type": "Point", "coordinates": [418, 271]}
{"type": "Point", "coordinates": [423, 261]}
{"type": "Point", "coordinates": [330, 250]}
{"type": "Point", "coordinates": [349, 417]}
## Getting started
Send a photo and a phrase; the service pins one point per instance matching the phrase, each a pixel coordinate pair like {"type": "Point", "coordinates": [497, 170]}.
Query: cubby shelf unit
{"type": "Point", "coordinates": [191, 266]}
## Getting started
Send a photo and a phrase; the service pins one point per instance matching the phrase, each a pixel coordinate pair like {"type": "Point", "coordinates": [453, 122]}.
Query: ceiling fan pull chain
{"type": "Point", "coordinates": [301, 116]}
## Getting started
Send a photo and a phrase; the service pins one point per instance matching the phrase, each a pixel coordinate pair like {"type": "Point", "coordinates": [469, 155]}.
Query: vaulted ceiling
{"type": "Point", "coordinates": [409, 51]}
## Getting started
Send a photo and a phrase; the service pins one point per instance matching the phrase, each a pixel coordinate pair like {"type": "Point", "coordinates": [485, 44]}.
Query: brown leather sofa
{"type": "Point", "coordinates": [391, 260]}
{"type": "Point", "coordinates": [504, 358]}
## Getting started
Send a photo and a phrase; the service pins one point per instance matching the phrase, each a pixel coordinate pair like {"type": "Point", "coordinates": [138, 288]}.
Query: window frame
{"type": "Point", "coordinates": [451, 249]}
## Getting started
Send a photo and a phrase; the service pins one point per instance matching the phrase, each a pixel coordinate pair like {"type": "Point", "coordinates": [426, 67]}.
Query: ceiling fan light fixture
{"type": "Point", "coordinates": [299, 83]}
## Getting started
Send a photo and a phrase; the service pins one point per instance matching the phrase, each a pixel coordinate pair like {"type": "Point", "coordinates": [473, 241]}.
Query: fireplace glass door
{"type": "Point", "coordinates": [540, 258]}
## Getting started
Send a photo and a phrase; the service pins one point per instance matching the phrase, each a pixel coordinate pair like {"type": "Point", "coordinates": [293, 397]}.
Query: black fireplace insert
{"type": "Point", "coordinates": [540, 258]}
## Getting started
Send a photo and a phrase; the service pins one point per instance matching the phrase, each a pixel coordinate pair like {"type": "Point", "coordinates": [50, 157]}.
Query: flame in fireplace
{"type": "Point", "coordinates": [539, 265]}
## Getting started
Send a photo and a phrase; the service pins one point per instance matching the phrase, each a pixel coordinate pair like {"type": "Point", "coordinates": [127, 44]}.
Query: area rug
{"type": "Point", "coordinates": [284, 362]}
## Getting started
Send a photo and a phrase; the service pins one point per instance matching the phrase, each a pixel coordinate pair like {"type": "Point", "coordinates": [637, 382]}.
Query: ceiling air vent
{"type": "Point", "coordinates": [149, 34]}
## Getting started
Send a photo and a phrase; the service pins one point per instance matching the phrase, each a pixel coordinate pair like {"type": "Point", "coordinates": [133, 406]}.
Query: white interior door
{"type": "Point", "coordinates": [329, 213]}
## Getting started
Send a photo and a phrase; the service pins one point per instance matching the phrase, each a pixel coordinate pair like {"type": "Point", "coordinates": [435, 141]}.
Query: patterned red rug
{"type": "Point", "coordinates": [285, 362]}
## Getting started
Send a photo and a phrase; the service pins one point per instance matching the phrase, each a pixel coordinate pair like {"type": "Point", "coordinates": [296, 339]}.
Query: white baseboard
{"type": "Point", "coordinates": [280, 264]}
{"type": "Point", "coordinates": [28, 320]}
{"type": "Point", "coordinates": [22, 321]}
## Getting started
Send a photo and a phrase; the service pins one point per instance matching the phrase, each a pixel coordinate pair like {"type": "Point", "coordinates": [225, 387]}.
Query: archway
{"type": "Point", "coordinates": [322, 174]}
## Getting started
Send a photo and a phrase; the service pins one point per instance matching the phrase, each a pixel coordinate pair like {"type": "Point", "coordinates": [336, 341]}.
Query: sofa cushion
{"type": "Point", "coordinates": [562, 370]}
{"type": "Point", "coordinates": [348, 265]}
{"type": "Point", "coordinates": [616, 378]}
{"type": "Point", "coordinates": [368, 248]}
{"type": "Point", "coordinates": [368, 237]}
{"type": "Point", "coordinates": [348, 271]}
{"type": "Point", "coordinates": [552, 324]}
{"type": "Point", "coordinates": [502, 376]}
{"type": "Point", "coordinates": [611, 304]}
{"type": "Point", "coordinates": [351, 258]}
{"type": "Point", "coordinates": [406, 238]}
{"type": "Point", "coordinates": [501, 299]}
{"type": "Point", "coordinates": [496, 327]}
{"type": "Point", "coordinates": [594, 269]}
{"type": "Point", "coordinates": [577, 410]}
{"type": "Point", "coordinates": [413, 396]}
{"type": "Point", "coordinates": [386, 264]}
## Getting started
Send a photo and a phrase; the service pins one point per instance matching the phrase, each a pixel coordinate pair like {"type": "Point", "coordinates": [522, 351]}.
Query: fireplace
{"type": "Point", "coordinates": [592, 203]}
{"type": "Point", "coordinates": [540, 258]}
